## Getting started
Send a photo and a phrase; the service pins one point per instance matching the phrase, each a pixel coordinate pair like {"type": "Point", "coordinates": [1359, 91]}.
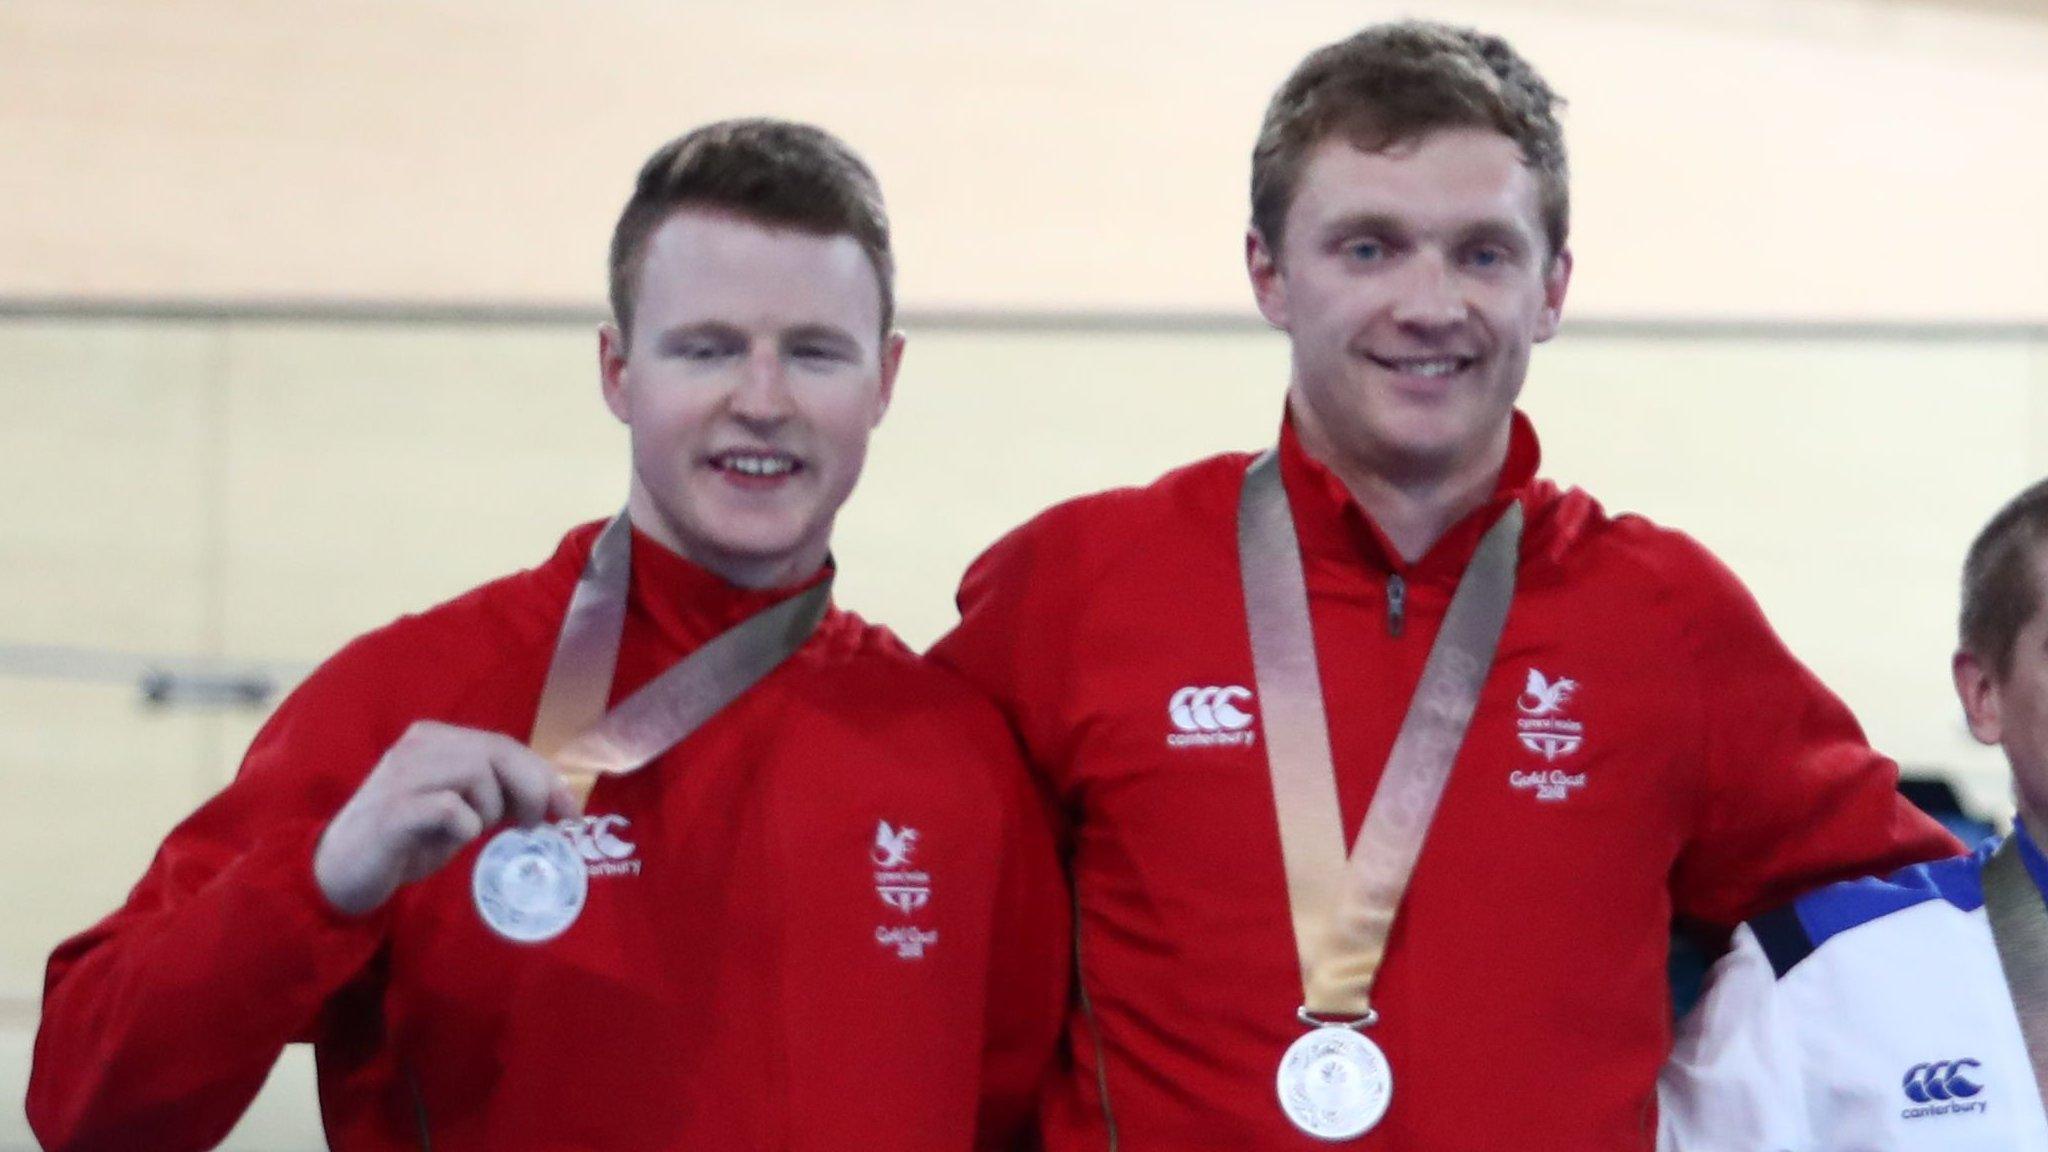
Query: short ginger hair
{"type": "Point", "coordinates": [1395, 83]}
{"type": "Point", "coordinates": [774, 172]}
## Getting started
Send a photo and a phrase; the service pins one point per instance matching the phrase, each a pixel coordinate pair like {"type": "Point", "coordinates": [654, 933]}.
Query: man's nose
{"type": "Point", "coordinates": [1430, 294]}
{"type": "Point", "coordinates": [762, 394]}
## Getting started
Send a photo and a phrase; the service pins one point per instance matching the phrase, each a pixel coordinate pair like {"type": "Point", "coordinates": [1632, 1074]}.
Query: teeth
{"type": "Point", "coordinates": [750, 465]}
{"type": "Point", "coordinates": [1430, 369]}
{"type": "Point", "coordinates": [1427, 368]}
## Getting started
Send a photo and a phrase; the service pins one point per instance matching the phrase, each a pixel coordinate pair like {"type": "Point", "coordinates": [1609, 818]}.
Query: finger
{"type": "Point", "coordinates": [441, 825]}
{"type": "Point", "coordinates": [443, 820]}
{"type": "Point", "coordinates": [528, 782]}
{"type": "Point", "coordinates": [565, 802]}
{"type": "Point", "coordinates": [482, 791]}
{"type": "Point", "coordinates": [439, 758]}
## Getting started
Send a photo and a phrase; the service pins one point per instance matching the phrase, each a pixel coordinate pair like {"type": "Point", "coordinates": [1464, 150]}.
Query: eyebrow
{"type": "Point", "coordinates": [1497, 231]}
{"type": "Point", "coordinates": [827, 332]}
{"type": "Point", "coordinates": [1491, 228]}
{"type": "Point", "coordinates": [1352, 225]}
{"type": "Point", "coordinates": [713, 328]}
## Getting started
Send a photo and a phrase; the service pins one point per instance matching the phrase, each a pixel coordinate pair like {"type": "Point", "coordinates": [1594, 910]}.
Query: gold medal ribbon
{"type": "Point", "coordinates": [2019, 926]}
{"type": "Point", "coordinates": [1343, 907]}
{"type": "Point", "coordinates": [571, 726]}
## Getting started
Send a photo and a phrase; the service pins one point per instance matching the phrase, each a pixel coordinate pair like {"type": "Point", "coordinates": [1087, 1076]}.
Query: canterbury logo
{"type": "Point", "coordinates": [1209, 709]}
{"type": "Point", "coordinates": [1941, 1080]}
{"type": "Point", "coordinates": [595, 839]}
{"type": "Point", "coordinates": [892, 848]}
{"type": "Point", "coordinates": [1542, 698]}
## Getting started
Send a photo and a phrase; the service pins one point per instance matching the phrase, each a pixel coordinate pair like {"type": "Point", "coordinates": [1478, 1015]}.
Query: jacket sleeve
{"type": "Point", "coordinates": [1006, 647]}
{"type": "Point", "coordinates": [1014, 617]}
{"type": "Point", "coordinates": [160, 1023]}
{"type": "Point", "coordinates": [1736, 1081]}
{"type": "Point", "coordinates": [1030, 959]}
{"type": "Point", "coordinates": [1791, 795]}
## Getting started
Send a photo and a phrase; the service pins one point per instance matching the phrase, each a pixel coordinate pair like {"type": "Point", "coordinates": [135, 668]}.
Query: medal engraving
{"type": "Point", "coordinates": [529, 884]}
{"type": "Point", "coordinates": [1335, 1084]}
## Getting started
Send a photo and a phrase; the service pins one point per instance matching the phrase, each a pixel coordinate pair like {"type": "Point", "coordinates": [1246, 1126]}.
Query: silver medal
{"type": "Point", "coordinates": [1335, 1084]}
{"type": "Point", "coordinates": [529, 884]}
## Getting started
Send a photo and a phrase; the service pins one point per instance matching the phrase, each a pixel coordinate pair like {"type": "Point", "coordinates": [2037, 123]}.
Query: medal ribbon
{"type": "Point", "coordinates": [572, 727]}
{"type": "Point", "coordinates": [2019, 926]}
{"type": "Point", "coordinates": [1343, 907]}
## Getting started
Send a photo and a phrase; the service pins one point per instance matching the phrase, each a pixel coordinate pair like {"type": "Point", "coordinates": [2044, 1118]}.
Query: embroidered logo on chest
{"type": "Point", "coordinates": [901, 886]}
{"type": "Point", "coordinates": [1554, 785]}
{"type": "Point", "coordinates": [1942, 1088]}
{"type": "Point", "coordinates": [1210, 717]}
{"type": "Point", "coordinates": [1543, 726]}
{"type": "Point", "coordinates": [598, 841]}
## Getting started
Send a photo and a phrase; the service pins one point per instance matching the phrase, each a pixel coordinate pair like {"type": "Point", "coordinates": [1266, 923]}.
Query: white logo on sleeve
{"type": "Point", "coordinates": [1210, 717]}
{"type": "Point", "coordinates": [1542, 728]}
{"type": "Point", "coordinates": [903, 887]}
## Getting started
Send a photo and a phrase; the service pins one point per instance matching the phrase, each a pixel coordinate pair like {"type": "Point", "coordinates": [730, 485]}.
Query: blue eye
{"type": "Point", "coordinates": [1365, 250]}
{"type": "Point", "coordinates": [1488, 257]}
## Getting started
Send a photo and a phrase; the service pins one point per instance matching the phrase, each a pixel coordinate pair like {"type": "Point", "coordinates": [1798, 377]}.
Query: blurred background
{"type": "Point", "coordinates": [297, 306]}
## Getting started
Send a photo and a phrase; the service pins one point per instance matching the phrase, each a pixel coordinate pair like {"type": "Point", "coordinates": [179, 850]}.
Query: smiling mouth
{"type": "Point", "coordinates": [1425, 367]}
{"type": "Point", "coordinates": [755, 465]}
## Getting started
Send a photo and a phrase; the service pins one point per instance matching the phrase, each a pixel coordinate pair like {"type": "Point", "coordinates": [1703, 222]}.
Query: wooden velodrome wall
{"type": "Point", "coordinates": [1747, 158]}
{"type": "Point", "coordinates": [255, 491]}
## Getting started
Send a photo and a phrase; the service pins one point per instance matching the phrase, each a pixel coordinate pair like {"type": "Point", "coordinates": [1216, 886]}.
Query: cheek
{"type": "Point", "coordinates": [843, 414]}
{"type": "Point", "coordinates": [847, 432]}
{"type": "Point", "coordinates": [668, 414]}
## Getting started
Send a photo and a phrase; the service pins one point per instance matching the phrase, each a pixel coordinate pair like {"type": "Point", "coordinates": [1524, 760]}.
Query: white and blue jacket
{"type": "Point", "coordinates": [1871, 1014]}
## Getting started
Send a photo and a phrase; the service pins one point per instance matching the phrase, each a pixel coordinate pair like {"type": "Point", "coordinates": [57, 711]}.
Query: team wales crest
{"type": "Point", "coordinates": [1544, 728]}
{"type": "Point", "coordinates": [902, 886]}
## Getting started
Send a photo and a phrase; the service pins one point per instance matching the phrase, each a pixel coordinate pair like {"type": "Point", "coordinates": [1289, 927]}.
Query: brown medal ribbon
{"type": "Point", "coordinates": [529, 884]}
{"type": "Point", "coordinates": [1343, 907]}
{"type": "Point", "coordinates": [571, 726]}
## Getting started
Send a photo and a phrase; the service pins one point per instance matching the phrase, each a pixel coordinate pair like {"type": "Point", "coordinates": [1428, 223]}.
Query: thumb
{"type": "Point", "coordinates": [565, 799]}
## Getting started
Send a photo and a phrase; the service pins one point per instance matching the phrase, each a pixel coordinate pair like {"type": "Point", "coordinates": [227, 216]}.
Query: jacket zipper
{"type": "Point", "coordinates": [419, 1110]}
{"type": "Point", "coordinates": [1397, 604]}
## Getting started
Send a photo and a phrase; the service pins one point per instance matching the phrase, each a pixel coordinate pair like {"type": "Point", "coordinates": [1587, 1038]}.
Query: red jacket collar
{"type": "Point", "coordinates": [684, 603]}
{"type": "Point", "coordinates": [1336, 532]}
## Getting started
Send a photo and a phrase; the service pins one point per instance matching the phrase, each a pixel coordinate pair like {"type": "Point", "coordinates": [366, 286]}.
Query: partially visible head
{"type": "Point", "coordinates": [1408, 234]}
{"type": "Point", "coordinates": [775, 173]}
{"type": "Point", "coordinates": [753, 352]}
{"type": "Point", "coordinates": [1393, 84]}
{"type": "Point", "coordinates": [2001, 661]}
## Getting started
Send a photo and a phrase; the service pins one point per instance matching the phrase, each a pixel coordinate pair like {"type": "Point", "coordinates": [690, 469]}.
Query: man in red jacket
{"type": "Point", "coordinates": [648, 847]}
{"type": "Point", "coordinates": [1387, 765]}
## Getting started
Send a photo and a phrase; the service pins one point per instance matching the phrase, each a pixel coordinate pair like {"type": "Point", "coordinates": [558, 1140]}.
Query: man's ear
{"type": "Point", "coordinates": [892, 362]}
{"type": "Point", "coordinates": [1977, 688]}
{"type": "Point", "coordinates": [1269, 285]}
{"type": "Point", "coordinates": [611, 370]}
{"type": "Point", "coordinates": [1557, 280]}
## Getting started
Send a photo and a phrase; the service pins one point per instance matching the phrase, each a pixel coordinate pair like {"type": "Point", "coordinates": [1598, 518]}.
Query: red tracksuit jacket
{"type": "Point", "coordinates": [1692, 767]}
{"type": "Point", "coordinates": [735, 980]}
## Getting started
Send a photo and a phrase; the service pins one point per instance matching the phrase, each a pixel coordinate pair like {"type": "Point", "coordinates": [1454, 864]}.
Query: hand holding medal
{"type": "Point", "coordinates": [438, 788]}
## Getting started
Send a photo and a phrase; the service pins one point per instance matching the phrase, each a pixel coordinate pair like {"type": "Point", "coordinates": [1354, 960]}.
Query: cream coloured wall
{"type": "Point", "coordinates": [257, 492]}
{"type": "Point", "coordinates": [1772, 158]}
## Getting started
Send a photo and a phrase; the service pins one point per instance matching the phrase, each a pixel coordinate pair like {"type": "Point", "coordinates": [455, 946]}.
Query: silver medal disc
{"type": "Point", "coordinates": [529, 884]}
{"type": "Point", "coordinates": [1335, 1084]}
